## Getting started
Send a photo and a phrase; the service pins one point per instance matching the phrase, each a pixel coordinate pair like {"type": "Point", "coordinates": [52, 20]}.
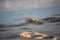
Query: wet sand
{"type": "Point", "coordinates": [11, 33]}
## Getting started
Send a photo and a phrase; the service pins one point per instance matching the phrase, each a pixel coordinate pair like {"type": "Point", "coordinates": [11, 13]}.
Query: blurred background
{"type": "Point", "coordinates": [16, 11]}
{"type": "Point", "coordinates": [13, 11]}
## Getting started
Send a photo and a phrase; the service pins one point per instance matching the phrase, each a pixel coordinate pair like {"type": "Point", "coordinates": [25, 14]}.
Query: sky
{"type": "Point", "coordinates": [26, 4]}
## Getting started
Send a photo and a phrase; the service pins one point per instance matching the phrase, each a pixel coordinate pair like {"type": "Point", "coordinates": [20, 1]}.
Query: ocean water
{"type": "Point", "coordinates": [18, 16]}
